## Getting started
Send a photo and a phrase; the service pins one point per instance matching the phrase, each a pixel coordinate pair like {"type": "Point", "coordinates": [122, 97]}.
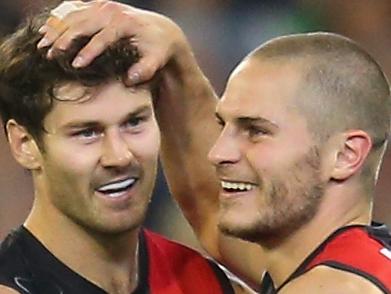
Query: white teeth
{"type": "Point", "coordinates": [117, 185]}
{"type": "Point", "coordinates": [236, 186]}
{"type": "Point", "coordinates": [115, 194]}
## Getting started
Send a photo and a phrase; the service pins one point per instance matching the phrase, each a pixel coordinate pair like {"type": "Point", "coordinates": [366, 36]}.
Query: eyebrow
{"type": "Point", "coordinates": [246, 120]}
{"type": "Point", "coordinates": [144, 109]}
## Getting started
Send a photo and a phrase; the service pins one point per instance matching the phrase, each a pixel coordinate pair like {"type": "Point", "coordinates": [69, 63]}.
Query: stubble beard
{"type": "Point", "coordinates": [282, 216]}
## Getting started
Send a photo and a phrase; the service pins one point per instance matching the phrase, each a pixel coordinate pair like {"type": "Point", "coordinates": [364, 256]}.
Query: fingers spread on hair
{"type": "Point", "coordinates": [53, 28]}
{"type": "Point", "coordinates": [98, 43]}
{"type": "Point", "coordinates": [66, 17]}
{"type": "Point", "coordinates": [56, 24]}
{"type": "Point", "coordinates": [83, 29]}
{"type": "Point", "coordinates": [112, 32]}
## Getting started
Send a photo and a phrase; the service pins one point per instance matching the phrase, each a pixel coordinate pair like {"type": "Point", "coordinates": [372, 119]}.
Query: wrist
{"type": "Point", "coordinates": [182, 62]}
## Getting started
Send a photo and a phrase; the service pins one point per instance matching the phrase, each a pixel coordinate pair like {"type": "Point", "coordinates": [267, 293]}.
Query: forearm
{"type": "Point", "coordinates": [185, 111]}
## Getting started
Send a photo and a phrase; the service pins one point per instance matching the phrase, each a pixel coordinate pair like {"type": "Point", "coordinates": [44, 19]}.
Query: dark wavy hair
{"type": "Point", "coordinates": [28, 79]}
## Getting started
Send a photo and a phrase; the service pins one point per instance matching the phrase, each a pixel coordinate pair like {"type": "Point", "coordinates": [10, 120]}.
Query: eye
{"type": "Point", "coordinates": [88, 134]}
{"type": "Point", "coordinates": [134, 124]}
{"type": "Point", "coordinates": [135, 121]}
{"type": "Point", "coordinates": [255, 131]}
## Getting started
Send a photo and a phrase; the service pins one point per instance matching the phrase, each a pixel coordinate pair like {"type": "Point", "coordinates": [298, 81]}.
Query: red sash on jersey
{"type": "Point", "coordinates": [356, 251]}
{"type": "Point", "coordinates": [176, 269]}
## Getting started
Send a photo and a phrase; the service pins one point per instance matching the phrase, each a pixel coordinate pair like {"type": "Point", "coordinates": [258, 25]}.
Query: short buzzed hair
{"type": "Point", "coordinates": [343, 87]}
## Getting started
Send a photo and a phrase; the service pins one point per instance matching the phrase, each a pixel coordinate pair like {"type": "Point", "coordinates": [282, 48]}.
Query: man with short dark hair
{"type": "Point", "coordinates": [302, 128]}
{"type": "Point", "coordinates": [91, 144]}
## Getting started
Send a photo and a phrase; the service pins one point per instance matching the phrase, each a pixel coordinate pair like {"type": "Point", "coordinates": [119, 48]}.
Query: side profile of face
{"type": "Point", "coordinates": [266, 159]}
{"type": "Point", "coordinates": [99, 158]}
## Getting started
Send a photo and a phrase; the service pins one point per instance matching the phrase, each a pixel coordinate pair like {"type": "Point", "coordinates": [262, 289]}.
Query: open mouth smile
{"type": "Point", "coordinates": [117, 188]}
{"type": "Point", "coordinates": [231, 186]}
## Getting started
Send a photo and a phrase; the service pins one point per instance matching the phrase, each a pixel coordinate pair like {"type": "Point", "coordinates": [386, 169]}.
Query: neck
{"type": "Point", "coordinates": [285, 255]}
{"type": "Point", "coordinates": [109, 260]}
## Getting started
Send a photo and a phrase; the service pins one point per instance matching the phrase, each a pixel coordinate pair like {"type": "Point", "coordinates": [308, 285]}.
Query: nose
{"type": "Point", "coordinates": [226, 149]}
{"type": "Point", "coordinates": [115, 151]}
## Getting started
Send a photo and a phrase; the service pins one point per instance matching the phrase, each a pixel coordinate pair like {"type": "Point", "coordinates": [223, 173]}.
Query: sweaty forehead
{"type": "Point", "coordinates": [262, 87]}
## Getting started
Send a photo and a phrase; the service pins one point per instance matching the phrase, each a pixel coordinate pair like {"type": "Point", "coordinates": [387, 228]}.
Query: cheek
{"type": "Point", "coordinates": [265, 159]}
{"type": "Point", "coordinates": [275, 158]}
{"type": "Point", "coordinates": [154, 141]}
{"type": "Point", "coordinates": [146, 146]}
{"type": "Point", "coordinates": [73, 160]}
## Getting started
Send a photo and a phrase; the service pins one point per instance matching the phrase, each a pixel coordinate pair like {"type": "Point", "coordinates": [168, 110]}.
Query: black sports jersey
{"type": "Point", "coordinates": [164, 267]}
{"type": "Point", "coordinates": [362, 250]}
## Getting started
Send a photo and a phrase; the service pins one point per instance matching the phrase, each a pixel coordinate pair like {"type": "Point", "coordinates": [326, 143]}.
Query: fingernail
{"type": "Point", "coordinates": [78, 62]}
{"type": "Point", "coordinates": [43, 43]}
{"type": "Point", "coordinates": [49, 54]}
{"type": "Point", "coordinates": [134, 78]}
{"type": "Point", "coordinates": [43, 29]}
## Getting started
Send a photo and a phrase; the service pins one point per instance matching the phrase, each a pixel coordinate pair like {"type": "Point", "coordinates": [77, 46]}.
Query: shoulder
{"type": "Point", "coordinates": [326, 280]}
{"type": "Point", "coordinates": [158, 242]}
{"type": "Point", "coordinates": [184, 264]}
{"type": "Point", "coordinates": [353, 245]}
{"type": "Point", "coordinates": [173, 253]}
{"type": "Point", "coordinates": [12, 263]}
{"type": "Point", "coordinates": [11, 245]}
{"type": "Point", "coordinates": [362, 251]}
{"type": "Point", "coordinates": [10, 252]}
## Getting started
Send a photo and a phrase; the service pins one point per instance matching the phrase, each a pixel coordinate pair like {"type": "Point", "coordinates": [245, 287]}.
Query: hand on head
{"type": "Point", "coordinates": [155, 36]}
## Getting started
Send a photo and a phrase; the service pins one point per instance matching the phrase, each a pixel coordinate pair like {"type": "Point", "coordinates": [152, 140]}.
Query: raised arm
{"type": "Point", "coordinates": [185, 111]}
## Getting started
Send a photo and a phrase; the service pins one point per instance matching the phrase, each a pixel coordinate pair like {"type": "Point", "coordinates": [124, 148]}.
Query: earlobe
{"type": "Point", "coordinates": [23, 146]}
{"type": "Point", "coordinates": [352, 154]}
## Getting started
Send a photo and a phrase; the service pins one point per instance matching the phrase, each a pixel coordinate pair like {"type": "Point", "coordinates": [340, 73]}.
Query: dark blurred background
{"type": "Point", "coordinates": [222, 32]}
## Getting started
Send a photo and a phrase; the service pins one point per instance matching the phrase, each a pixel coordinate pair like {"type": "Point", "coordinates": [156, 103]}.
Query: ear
{"type": "Point", "coordinates": [353, 151]}
{"type": "Point", "coordinates": [23, 147]}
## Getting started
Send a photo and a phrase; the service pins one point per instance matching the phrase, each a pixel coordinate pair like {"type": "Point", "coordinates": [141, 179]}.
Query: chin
{"type": "Point", "coordinates": [122, 229]}
{"type": "Point", "coordinates": [114, 229]}
{"type": "Point", "coordinates": [247, 233]}
{"type": "Point", "coordinates": [114, 224]}
{"type": "Point", "coordinates": [238, 226]}
{"type": "Point", "coordinates": [124, 221]}
{"type": "Point", "coordinates": [257, 229]}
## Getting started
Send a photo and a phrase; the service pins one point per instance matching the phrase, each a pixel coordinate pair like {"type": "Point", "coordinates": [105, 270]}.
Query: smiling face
{"type": "Point", "coordinates": [265, 157]}
{"type": "Point", "coordinates": [100, 154]}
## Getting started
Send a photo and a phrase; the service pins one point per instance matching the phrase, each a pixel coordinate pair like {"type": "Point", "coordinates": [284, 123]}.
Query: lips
{"type": "Point", "coordinates": [118, 187]}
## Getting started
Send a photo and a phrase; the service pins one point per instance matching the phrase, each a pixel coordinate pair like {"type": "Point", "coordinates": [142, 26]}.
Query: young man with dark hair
{"type": "Point", "coordinates": [301, 131]}
{"type": "Point", "coordinates": [91, 144]}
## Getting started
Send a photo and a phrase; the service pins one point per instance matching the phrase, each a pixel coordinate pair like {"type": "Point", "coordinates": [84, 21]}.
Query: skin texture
{"type": "Point", "coordinates": [286, 183]}
{"type": "Point", "coordinates": [276, 154]}
{"type": "Point", "coordinates": [108, 135]}
{"type": "Point", "coordinates": [95, 142]}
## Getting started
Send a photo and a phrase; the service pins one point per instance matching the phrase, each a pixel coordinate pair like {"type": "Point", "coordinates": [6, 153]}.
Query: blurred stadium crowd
{"type": "Point", "coordinates": [221, 32]}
